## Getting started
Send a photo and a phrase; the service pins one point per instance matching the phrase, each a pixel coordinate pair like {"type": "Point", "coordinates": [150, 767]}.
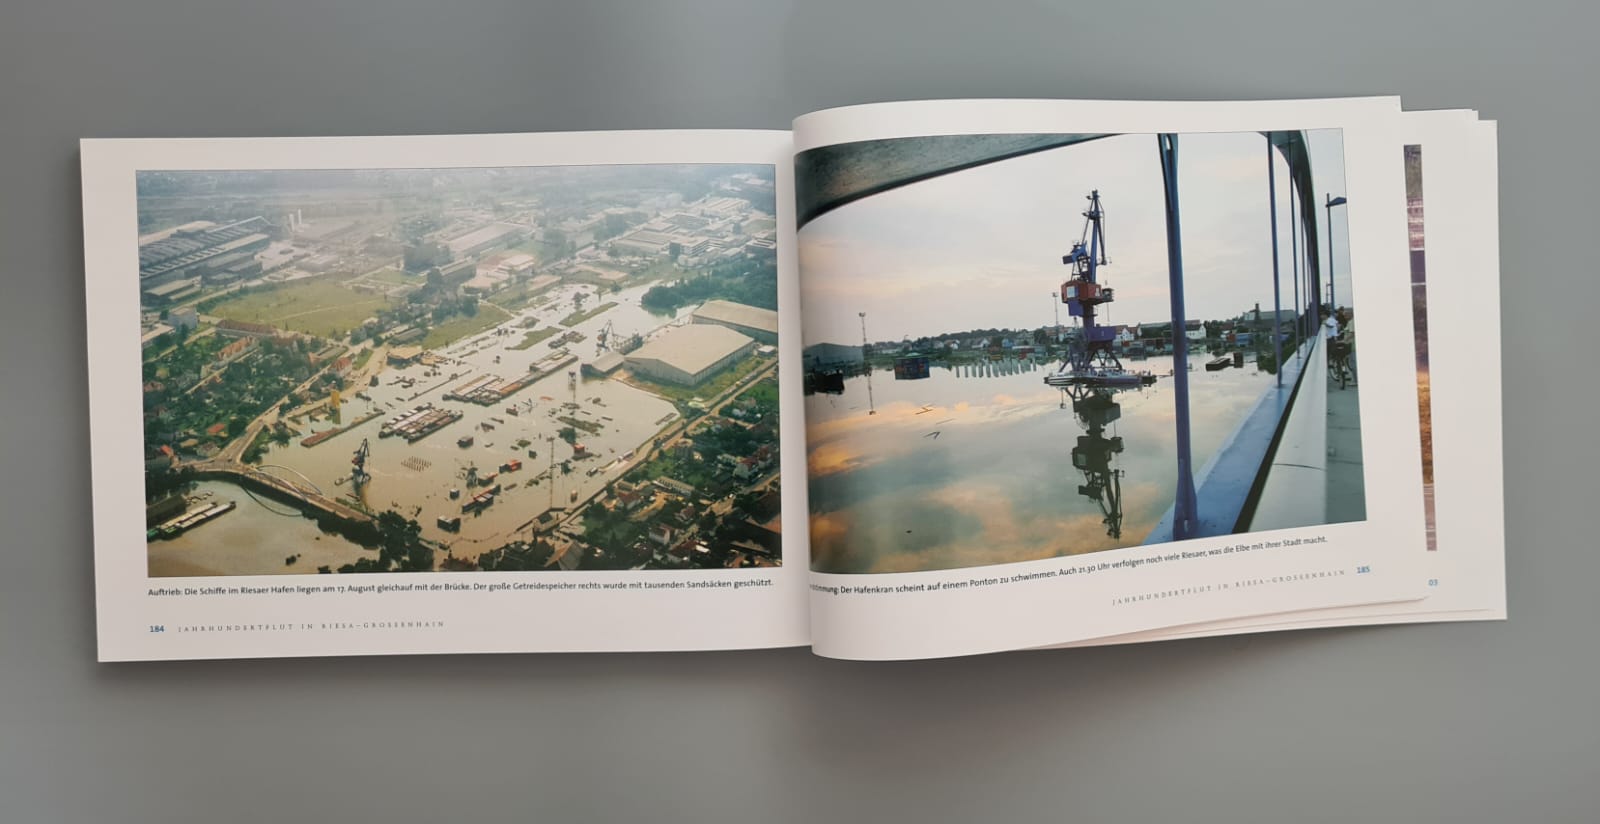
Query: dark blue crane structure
{"type": "Point", "coordinates": [1092, 358]}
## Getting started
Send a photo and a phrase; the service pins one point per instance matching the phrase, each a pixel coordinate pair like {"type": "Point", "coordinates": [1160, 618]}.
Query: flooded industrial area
{"type": "Point", "coordinates": [522, 368]}
{"type": "Point", "coordinates": [416, 478]}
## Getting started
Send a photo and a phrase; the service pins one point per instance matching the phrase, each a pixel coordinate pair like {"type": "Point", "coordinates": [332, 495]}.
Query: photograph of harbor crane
{"type": "Point", "coordinates": [522, 368]}
{"type": "Point", "coordinates": [1023, 346]}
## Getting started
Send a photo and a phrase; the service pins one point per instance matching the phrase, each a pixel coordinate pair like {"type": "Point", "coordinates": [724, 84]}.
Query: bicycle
{"type": "Point", "coordinates": [1339, 355]}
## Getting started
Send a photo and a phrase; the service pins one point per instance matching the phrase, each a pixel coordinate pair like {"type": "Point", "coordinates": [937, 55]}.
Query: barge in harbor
{"type": "Point", "coordinates": [190, 520]}
{"type": "Point", "coordinates": [418, 422]}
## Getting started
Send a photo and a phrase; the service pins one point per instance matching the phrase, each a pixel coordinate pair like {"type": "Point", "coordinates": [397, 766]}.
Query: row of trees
{"type": "Point", "coordinates": [399, 542]}
{"type": "Point", "coordinates": [754, 283]}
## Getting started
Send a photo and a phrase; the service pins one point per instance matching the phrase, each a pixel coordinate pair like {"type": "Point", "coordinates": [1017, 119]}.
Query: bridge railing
{"type": "Point", "coordinates": [1229, 486]}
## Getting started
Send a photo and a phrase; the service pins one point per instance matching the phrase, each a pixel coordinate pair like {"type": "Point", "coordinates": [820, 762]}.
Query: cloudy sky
{"type": "Point", "coordinates": [982, 247]}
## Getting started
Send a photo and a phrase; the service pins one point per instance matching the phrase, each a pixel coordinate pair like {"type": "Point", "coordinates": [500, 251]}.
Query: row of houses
{"type": "Point", "coordinates": [1195, 331]}
{"type": "Point", "coordinates": [675, 540]}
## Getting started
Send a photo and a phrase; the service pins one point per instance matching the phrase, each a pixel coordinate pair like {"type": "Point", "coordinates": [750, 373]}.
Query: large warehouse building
{"type": "Point", "coordinates": [761, 324]}
{"type": "Point", "coordinates": [201, 249]}
{"type": "Point", "coordinates": [688, 355]}
{"type": "Point", "coordinates": [484, 238]}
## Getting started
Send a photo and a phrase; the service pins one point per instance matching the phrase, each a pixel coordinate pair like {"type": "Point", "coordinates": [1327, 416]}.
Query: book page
{"type": "Point", "coordinates": [552, 372]}
{"type": "Point", "coordinates": [1067, 369]}
{"type": "Point", "coordinates": [1452, 205]}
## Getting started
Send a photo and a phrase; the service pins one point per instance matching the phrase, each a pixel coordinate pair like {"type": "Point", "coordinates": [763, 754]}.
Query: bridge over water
{"type": "Point", "coordinates": [1294, 458]}
{"type": "Point", "coordinates": [307, 497]}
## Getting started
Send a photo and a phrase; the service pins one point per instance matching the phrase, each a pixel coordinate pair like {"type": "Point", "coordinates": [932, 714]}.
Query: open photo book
{"type": "Point", "coordinates": [911, 380]}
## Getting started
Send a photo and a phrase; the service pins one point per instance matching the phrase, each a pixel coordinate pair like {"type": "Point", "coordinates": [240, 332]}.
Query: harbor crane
{"type": "Point", "coordinates": [1091, 359]}
{"type": "Point", "coordinates": [602, 339]}
{"type": "Point", "coordinates": [358, 466]}
{"type": "Point", "coordinates": [1092, 374]}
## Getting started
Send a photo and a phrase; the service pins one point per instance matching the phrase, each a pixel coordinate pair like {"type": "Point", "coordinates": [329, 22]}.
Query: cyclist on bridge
{"type": "Point", "coordinates": [1342, 347]}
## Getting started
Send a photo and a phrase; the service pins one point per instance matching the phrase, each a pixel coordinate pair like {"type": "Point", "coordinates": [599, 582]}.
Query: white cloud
{"type": "Point", "coordinates": [983, 247]}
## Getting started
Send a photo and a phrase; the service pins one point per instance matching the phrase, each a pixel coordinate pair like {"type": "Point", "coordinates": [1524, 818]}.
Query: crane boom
{"type": "Point", "coordinates": [1091, 358]}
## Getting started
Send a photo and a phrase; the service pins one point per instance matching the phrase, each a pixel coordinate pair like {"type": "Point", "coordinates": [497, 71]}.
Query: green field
{"type": "Point", "coordinates": [394, 276]}
{"type": "Point", "coordinates": [520, 296]}
{"type": "Point", "coordinates": [579, 317]}
{"type": "Point", "coordinates": [319, 307]}
{"type": "Point", "coordinates": [662, 270]}
{"type": "Point", "coordinates": [698, 474]}
{"type": "Point", "coordinates": [764, 391]}
{"type": "Point", "coordinates": [531, 338]}
{"type": "Point", "coordinates": [459, 327]}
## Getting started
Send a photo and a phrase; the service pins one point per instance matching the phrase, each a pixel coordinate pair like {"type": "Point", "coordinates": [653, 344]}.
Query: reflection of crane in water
{"type": "Point", "coordinates": [1091, 374]}
{"type": "Point", "coordinates": [1091, 361]}
{"type": "Point", "coordinates": [1094, 453]}
{"type": "Point", "coordinates": [866, 362]}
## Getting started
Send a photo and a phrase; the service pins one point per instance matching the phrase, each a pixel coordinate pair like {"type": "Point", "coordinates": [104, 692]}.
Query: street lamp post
{"type": "Point", "coordinates": [1332, 202]}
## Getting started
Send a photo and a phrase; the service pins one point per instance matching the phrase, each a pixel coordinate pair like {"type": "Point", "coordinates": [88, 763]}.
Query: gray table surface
{"type": "Point", "coordinates": [1487, 722]}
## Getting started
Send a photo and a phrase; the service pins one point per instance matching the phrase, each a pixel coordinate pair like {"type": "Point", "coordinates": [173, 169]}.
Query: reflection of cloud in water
{"type": "Point", "coordinates": [829, 458]}
{"type": "Point", "coordinates": [867, 541]}
{"type": "Point", "coordinates": [856, 442]}
{"type": "Point", "coordinates": [953, 527]}
{"type": "Point", "coordinates": [828, 544]}
{"type": "Point", "coordinates": [997, 485]}
{"type": "Point", "coordinates": [892, 415]}
{"type": "Point", "coordinates": [926, 506]}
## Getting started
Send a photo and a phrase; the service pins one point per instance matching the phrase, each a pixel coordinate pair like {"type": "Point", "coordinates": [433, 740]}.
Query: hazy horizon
{"type": "Point", "coordinates": [982, 248]}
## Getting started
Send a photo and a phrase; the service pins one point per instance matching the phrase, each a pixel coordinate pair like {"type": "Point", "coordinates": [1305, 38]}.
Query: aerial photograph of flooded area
{"type": "Point", "coordinates": [1025, 346]}
{"type": "Point", "coordinates": [531, 368]}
